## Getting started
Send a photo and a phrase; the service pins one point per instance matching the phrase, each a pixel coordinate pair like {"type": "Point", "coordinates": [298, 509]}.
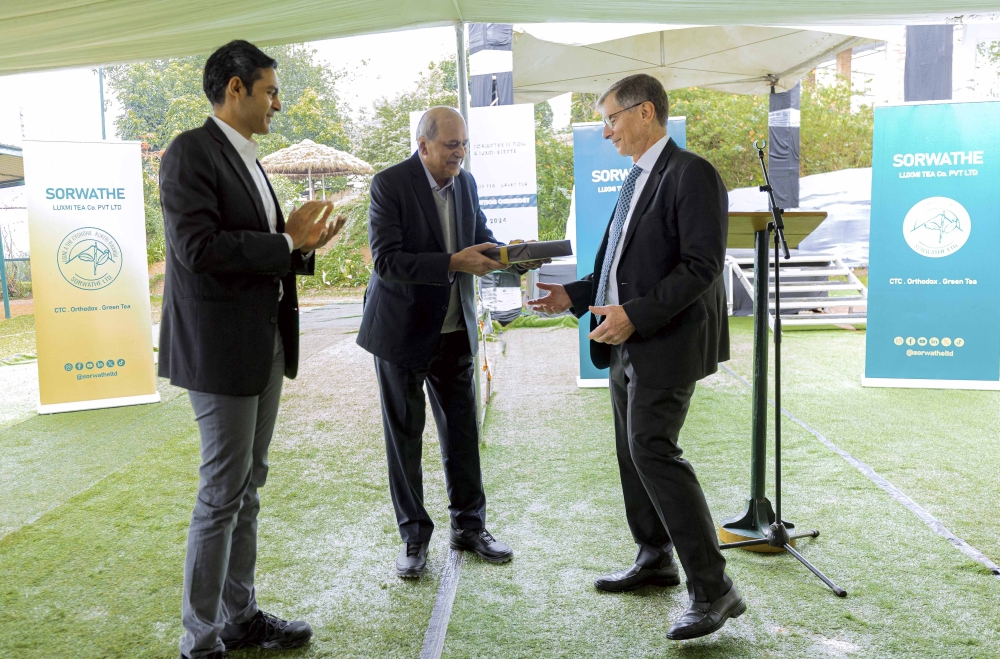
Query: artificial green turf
{"type": "Point", "coordinates": [93, 555]}
{"type": "Point", "coordinates": [937, 446]}
{"type": "Point", "coordinates": [96, 506]}
{"type": "Point", "coordinates": [17, 336]}
{"type": "Point", "coordinates": [555, 496]}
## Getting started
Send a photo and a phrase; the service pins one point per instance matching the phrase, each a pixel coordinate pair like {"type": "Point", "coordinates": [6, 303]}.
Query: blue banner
{"type": "Point", "coordinates": [598, 172]}
{"type": "Point", "coordinates": [933, 288]}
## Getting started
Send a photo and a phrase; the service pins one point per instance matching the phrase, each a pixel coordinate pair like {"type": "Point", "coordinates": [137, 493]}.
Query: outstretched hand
{"type": "Point", "coordinates": [616, 327]}
{"type": "Point", "coordinates": [557, 300]}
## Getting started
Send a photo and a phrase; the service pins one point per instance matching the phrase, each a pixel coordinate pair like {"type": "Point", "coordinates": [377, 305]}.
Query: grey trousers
{"type": "Point", "coordinates": [222, 541]}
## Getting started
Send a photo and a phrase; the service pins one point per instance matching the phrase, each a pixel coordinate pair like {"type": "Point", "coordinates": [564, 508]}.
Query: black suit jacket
{"type": "Point", "coordinates": [408, 294]}
{"type": "Point", "coordinates": [670, 274]}
{"type": "Point", "coordinates": [220, 295]}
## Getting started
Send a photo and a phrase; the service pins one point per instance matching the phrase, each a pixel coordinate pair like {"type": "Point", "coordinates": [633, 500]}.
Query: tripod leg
{"type": "Point", "coordinates": [840, 592]}
{"type": "Point", "coordinates": [763, 541]}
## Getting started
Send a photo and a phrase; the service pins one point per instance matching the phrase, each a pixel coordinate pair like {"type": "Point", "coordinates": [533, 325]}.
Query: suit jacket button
{"type": "Point", "coordinates": [444, 307]}
{"type": "Point", "coordinates": [274, 320]}
{"type": "Point", "coordinates": [277, 279]}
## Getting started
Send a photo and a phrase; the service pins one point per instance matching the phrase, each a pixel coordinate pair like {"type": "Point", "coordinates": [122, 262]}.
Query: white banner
{"type": "Point", "coordinates": [90, 280]}
{"type": "Point", "coordinates": [502, 145]}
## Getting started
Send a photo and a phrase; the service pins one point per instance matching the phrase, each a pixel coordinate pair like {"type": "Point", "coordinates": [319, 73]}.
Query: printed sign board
{"type": "Point", "coordinates": [933, 288]}
{"type": "Point", "coordinates": [502, 150]}
{"type": "Point", "coordinates": [90, 282]}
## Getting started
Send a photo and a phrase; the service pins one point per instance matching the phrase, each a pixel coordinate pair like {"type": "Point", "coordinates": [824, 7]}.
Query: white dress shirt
{"type": "Point", "coordinates": [647, 161]}
{"type": "Point", "coordinates": [248, 153]}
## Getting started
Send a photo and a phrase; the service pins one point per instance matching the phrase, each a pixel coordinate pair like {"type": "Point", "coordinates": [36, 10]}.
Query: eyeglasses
{"type": "Point", "coordinates": [609, 120]}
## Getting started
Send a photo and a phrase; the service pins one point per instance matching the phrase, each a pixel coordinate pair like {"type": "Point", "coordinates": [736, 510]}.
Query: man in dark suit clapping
{"type": "Point", "coordinates": [658, 292]}
{"type": "Point", "coordinates": [229, 334]}
{"type": "Point", "coordinates": [427, 237]}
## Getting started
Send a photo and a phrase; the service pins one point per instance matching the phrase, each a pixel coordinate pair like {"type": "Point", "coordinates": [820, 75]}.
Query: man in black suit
{"type": "Point", "coordinates": [427, 235]}
{"type": "Point", "coordinates": [657, 289]}
{"type": "Point", "coordinates": [229, 333]}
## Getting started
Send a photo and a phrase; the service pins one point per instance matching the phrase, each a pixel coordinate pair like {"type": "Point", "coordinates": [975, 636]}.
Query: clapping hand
{"type": "Point", "coordinates": [323, 232]}
{"type": "Point", "coordinates": [302, 222]}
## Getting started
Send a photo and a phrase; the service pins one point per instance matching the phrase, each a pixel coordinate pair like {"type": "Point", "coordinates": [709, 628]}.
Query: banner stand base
{"type": "Point", "coordinates": [99, 404]}
{"type": "Point", "coordinates": [592, 383]}
{"type": "Point", "coordinates": [907, 383]}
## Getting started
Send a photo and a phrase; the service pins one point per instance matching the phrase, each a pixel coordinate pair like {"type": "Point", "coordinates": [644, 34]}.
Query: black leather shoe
{"type": "Point", "coordinates": [636, 577]}
{"type": "Point", "coordinates": [412, 560]}
{"type": "Point", "coordinates": [703, 618]}
{"type": "Point", "coordinates": [214, 655]}
{"type": "Point", "coordinates": [482, 543]}
{"type": "Point", "coordinates": [266, 631]}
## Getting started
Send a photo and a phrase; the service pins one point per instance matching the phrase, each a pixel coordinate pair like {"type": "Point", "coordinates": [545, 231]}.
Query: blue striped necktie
{"type": "Point", "coordinates": [621, 213]}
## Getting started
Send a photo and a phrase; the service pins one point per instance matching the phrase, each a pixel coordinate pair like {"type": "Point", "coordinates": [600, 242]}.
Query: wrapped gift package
{"type": "Point", "coordinates": [534, 251]}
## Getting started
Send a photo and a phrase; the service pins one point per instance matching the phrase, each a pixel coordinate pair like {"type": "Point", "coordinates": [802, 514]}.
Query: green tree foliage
{"type": "Point", "coordinates": [721, 127]}
{"type": "Point", "coordinates": [163, 98]}
{"type": "Point", "coordinates": [347, 263]}
{"type": "Point", "coordinates": [554, 168]}
{"type": "Point", "coordinates": [833, 136]}
{"type": "Point", "coordinates": [583, 109]}
{"type": "Point", "coordinates": [383, 136]}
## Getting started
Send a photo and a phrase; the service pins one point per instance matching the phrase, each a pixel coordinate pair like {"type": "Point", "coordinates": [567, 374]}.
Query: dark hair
{"type": "Point", "coordinates": [239, 59]}
{"type": "Point", "coordinates": [639, 88]}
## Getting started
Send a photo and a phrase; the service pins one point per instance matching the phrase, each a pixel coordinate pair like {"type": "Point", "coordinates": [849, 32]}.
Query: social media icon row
{"type": "Point", "coordinates": [100, 363]}
{"type": "Point", "coordinates": [933, 341]}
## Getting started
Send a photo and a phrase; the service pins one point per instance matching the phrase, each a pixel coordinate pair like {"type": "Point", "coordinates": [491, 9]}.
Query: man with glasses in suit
{"type": "Point", "coordinates": [659, 321]}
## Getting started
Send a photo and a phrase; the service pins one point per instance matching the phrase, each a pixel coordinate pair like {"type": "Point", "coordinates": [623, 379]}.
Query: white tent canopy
{"type": "Point", "coordinates": [740, 59]}
{"type": "Point", "coordinates": [49, 34]}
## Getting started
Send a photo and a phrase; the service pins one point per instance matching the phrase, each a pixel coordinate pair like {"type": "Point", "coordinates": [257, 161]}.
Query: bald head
{"type": "Point", "coordinates": [429, 123]}
{"type": "Point", "coordinates": [442, 140]}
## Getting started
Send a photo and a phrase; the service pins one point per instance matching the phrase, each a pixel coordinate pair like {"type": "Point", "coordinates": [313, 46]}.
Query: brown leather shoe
{"type": "Point", "coordinates": [636, 577]}
{"type": "Point", "coordinates": [703, 618]}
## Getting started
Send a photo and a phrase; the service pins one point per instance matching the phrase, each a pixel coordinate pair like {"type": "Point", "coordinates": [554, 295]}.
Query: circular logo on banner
{"type": "Point", "coordinates": [89, 258]}
{"type": "Point", "coordinates": [936, 227]}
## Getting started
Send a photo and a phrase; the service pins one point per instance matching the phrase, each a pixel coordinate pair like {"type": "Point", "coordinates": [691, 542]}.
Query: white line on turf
{"type": "Point", "coordinates": [914, 507]}
{"type": "Point", "coordinates": [437, 629]}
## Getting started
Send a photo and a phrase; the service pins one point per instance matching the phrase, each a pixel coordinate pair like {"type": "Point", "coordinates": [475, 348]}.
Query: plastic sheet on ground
{"type": "Point", "coordinates": [845, 195]}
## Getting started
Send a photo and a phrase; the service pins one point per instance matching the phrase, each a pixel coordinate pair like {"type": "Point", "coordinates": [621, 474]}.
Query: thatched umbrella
{"type": "Point", "coordinates": [306, 158]}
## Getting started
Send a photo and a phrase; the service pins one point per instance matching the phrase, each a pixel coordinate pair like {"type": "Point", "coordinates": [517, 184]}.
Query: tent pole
{"type": "Point", "coordinates": [323, 184]}
{"type": "Point", "coordinates": [100, 81]}
{"type": "Point", "coordinates": [463, 70]}
{"type": "Point", "coordinates": [309, 173]}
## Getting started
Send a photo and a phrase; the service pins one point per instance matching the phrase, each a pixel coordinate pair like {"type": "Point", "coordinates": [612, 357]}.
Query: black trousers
{"type": "Point", "coordinates": [449, 380]}
{"type": "Point", "coordinates": [664, 503]}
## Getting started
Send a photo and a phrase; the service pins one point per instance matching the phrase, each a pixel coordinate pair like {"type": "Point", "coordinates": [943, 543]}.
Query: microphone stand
{"type": "Point", "coordinates": [776, 534]}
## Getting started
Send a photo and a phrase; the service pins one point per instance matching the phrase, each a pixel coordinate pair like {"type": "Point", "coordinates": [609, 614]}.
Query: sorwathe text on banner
{"type": "Point", "coordinates": [502, 150]}
{"type": "Point", "coordinates": [87, 229]}
{"type": "Point", "coordinates": [933, 285]}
